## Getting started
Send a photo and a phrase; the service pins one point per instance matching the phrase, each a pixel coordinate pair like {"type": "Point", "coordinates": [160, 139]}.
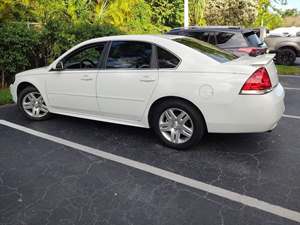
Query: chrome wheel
{"type": "Point", "coordinates": [34, 105]}
{"type": "Point", "coordinates": [176, 125]}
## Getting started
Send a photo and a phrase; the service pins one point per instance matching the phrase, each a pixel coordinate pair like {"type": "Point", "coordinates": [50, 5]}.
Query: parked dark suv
{"type": "Point", "coordinates": [235, 39]}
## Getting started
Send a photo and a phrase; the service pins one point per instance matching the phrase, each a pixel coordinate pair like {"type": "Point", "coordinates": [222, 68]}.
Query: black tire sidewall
{"type": "Point", "coordinates": [195, 115]}
{"type": "Point", "coordinates": [282, 52]}
{"type": "Point", "coordinates": [21, 96]}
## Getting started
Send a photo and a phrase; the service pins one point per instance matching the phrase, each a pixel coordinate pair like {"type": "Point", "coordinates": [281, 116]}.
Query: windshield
{"type": "Point", "coordinates": [209, 50]}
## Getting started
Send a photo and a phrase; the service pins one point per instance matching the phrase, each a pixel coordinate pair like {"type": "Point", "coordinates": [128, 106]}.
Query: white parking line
{"type": "Point", "coordinates": [243, 199]}
{"type": "Point", "coordinates": [291, 116]}
{"type": "Point", "coordinates": [292, 76]}
{"type": "Point", "coordinates": [290, 88]}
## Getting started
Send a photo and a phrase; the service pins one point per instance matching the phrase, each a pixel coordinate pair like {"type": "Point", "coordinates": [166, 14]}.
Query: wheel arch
{"type": "Point", "coordinates": [30, 83]}
{"type": "Point", "coordinates": [24, 84]}
{"type": "Point", "coordinates": [291, 47]}
{"type": "Point", "coordinates": [168, 98]}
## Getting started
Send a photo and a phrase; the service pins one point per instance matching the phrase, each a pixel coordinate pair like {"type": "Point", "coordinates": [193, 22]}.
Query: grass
{"type": "Point", "coordinates": [288, 70]}
{"type": "Point", "coordinates": [5, 97]}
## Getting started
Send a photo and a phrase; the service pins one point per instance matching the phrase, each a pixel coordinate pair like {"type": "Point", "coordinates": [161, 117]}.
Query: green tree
{"type": "Point", "coordinates": [268, 15]}
{"type": "Point", "coordinates": [167, 13]}
{"type": "Point", "coordinates": [131, 16]}
{"type": "Point", "coordinates": [230, 12]}
{"type": "Point", "coordinates": [196, 11]}
{"type": "Point", "coordinates": [19, 44]}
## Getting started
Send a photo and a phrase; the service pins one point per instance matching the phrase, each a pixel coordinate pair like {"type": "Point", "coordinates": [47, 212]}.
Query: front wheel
{"type": "Point", "coordinates": [32, 104]}
{"type": "Point", "coordinates": [178, 124]}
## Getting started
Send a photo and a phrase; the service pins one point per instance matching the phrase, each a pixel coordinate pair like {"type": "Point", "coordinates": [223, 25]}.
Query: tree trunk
{"type": "Point", "coordinates": [3, 79]}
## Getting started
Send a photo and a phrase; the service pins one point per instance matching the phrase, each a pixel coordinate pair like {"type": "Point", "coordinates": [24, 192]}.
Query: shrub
{"type": "Point", "coordinates": [17, 47]}
{"type": "Point", "coordinates": [24, 47]}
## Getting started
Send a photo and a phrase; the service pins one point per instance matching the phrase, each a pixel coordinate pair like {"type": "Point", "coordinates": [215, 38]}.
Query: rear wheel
{"type": "Point", "coordinates": [178, 124]}
{"type": "Point", "coordinates": [32, 104]}
{"type": "Point", "coordinates": [285, 56]}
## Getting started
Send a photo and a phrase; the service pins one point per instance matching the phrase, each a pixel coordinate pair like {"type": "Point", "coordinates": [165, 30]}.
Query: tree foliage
{"type": "Point", "coordinates": [167, 13]}
{"type": "Point", "coordinates": [230, 12]}
{"type": "Point", "coordinates": [197, 9]}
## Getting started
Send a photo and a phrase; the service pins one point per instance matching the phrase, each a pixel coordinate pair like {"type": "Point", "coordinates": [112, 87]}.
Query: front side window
{"type": "Point", "coordinates": [86, 58]}
{"type": "Point", "coordinates": [129, 55]}
{"type": "Point", "coordinates": [166, 59]}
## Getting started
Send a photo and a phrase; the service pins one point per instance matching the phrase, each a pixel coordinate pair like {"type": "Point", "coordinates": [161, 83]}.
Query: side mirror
{"type": "Point", "coordinates": [59, 66]}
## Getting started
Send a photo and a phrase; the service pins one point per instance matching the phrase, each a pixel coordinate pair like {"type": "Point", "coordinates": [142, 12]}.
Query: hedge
{"type": "Point", "coordinates": [24, 46]}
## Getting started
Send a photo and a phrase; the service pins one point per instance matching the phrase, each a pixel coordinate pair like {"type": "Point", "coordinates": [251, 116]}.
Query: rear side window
{"type": "Point", "coordinates": [166, 59]}
{"type": "Point", "coordinates": [129, 54]}
{"type": "Point", "coordinates": [223, 37]}
{"type": "Point", "coordinates": [202, 36]}
{"type": "Point", "coordinates": [215, 53]}
{"type": "Point", "coordinates": [253, 39]}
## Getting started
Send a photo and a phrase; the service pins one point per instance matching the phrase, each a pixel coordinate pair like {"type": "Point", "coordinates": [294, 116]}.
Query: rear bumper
{"type": "Point", "coordinates": [250, 113]}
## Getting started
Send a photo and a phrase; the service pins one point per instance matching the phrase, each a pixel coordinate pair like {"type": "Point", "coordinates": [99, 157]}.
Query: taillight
{"type": "Point", "coordinates": [258, 83]}
{"type": "Point", "coordinates": [250, 51]}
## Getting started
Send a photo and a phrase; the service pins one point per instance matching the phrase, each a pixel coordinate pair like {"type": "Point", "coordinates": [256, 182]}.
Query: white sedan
{"type": "Point", "coordinates": [178, 86]}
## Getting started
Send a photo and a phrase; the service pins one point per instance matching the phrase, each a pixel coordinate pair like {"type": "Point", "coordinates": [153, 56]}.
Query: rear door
{"type": "Point", "coordinates": [129, 78]}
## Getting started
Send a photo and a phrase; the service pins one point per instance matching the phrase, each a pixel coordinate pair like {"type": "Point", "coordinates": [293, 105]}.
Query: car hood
{"type": "Point", "coordinates": [37, 71]}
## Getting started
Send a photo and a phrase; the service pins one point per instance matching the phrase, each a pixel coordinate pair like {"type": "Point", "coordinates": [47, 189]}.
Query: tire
{"type": "Point", "coordinates": [285, 56]}
{"type": "Point", "coordinates": [32, 105]}
{"type": "Point", "coordinates": [173, 132]}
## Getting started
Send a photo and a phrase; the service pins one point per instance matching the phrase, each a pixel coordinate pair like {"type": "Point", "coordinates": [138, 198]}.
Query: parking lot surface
{"type": "Point", "coordinates": [43, 182]}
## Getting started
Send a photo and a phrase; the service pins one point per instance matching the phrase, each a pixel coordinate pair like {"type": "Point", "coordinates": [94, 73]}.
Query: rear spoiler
{"type": "Point", "coordinates": [260, 60]}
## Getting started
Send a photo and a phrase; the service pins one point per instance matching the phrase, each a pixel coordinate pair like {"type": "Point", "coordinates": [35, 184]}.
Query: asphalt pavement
{"type": "Point", "coordinates": [44, 182]}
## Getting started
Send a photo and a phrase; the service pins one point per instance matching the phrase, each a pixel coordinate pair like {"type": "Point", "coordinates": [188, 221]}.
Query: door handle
{"type": "Point", "coordinates": [147, 78]}
{"type": "Point", "coordinates": [86, 79]}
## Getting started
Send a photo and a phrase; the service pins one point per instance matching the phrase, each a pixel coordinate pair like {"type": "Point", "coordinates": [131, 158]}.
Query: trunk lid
{"type": "Point", "coordinates": [265, 60]}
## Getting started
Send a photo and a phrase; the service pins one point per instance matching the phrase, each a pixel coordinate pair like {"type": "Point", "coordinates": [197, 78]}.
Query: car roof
{"type": "Point", "coordinates": [142, 37]}
{"type": "Point", "coordinates": [215, 28]}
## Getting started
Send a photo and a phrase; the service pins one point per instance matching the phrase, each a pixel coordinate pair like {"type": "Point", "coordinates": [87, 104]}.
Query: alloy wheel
{"type": "Point", "coordinates": [176, 125]}
{"type": "Point", "coordinates": [34, 105]}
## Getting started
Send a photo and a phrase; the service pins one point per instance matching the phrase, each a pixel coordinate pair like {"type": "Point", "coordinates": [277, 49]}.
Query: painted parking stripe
{"type": "Point", "coordinates": [243, 199]}
{"type": "Point", "coordinates": [291, 116]}
{"type": "Point", "coordinates": [290, 88]}
{"type": "Point", "coordinates": [292, 76]}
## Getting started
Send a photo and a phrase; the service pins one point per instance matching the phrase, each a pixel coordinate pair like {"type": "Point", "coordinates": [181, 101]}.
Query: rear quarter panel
{"type": "Point", "coordinates": [209, 91]}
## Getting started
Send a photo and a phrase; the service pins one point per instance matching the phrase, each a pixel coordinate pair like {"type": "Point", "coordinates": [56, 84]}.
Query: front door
{"type": "Point", "coordinates": [73, 89]}
{"type": "Point", "coordinates": [128, 81]}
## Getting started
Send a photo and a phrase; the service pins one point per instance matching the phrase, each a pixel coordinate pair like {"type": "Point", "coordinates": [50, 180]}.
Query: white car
{"type": "Point", "coordinates": [178, 86]}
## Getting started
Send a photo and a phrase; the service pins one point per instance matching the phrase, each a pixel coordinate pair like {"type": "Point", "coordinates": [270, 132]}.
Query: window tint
{"type": "Point", "coordinates": [129, 54]}
{"type": "Point", "coordinates": [207, 49]}
{"type": "Point", "coordinates": [223, 37]}
{"type": "Point", "coordinates": [202, 36]}
{"type": "Point", "coordinates": [85, 58]}
{"type": "Point", "coordinates": [166, 59]}
{"type": "Point", "coordinates": [212, 38]}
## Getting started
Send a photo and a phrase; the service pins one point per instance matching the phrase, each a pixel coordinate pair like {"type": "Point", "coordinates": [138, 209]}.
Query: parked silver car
{"type": "Point", "coordinates": [287, 49]}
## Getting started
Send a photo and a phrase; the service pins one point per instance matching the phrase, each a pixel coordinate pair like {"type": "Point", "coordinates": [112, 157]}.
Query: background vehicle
{"type": "Point", "coordinates": [287, 49]}
{"type": "Point", "coordinates": [285, 31]}
{"type": "Point", "coordinates": [235, 39]}
{"type": "Point", "coordinates": [178, 86]}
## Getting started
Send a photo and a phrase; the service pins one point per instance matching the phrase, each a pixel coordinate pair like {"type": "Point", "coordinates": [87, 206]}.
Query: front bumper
{"type": "Point", "coordinates": [13, 92]}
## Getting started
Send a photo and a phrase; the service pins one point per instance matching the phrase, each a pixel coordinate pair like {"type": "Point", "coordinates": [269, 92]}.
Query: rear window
{"type": "Point", "coordinates": [209, 50]}
{"type": "Point", "coordinates": [253, 39]}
